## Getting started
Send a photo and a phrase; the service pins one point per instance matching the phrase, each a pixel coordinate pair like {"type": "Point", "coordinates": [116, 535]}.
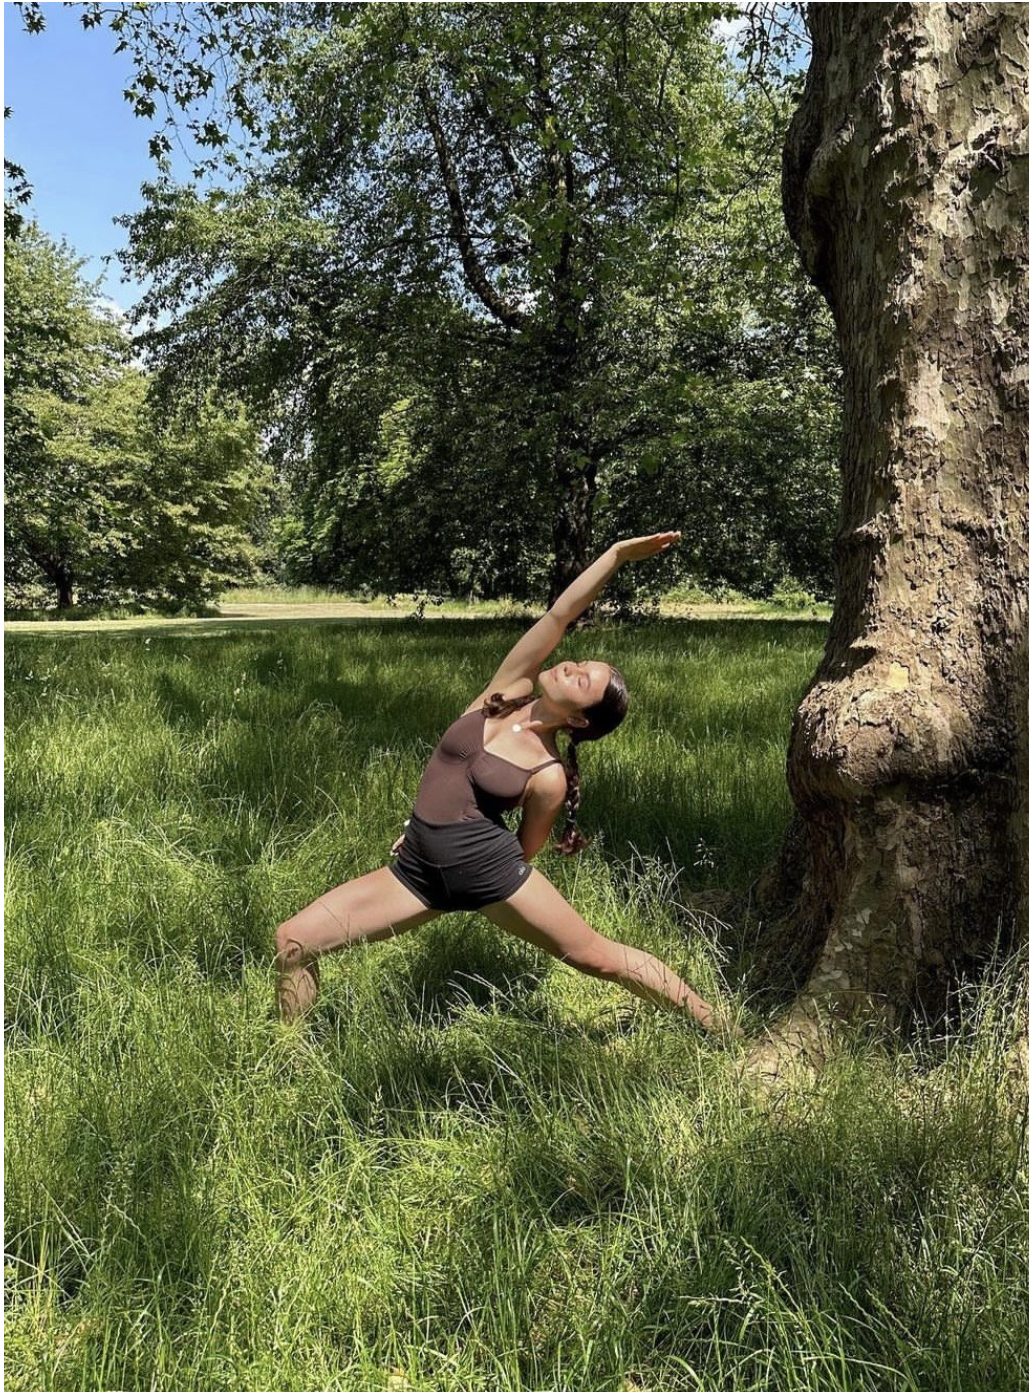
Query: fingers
{"type": "Point", "coordinates": [660, 541]}
{"type": "Point", "coordinates": [638, 548]}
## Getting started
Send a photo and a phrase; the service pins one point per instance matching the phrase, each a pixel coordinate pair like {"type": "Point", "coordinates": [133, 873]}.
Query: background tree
{"type": "Point", "coordinates": [99, 497]}
{"type": "Point", "coordinates": [530, 159]}
{"type": "Point", "coordinates": [57, 347]}
{"type": "Point", "coordinates": [562, 201]}
{"type": "Point", "coordinates": [906, 185]}
{"type": "Point", "coordinates": [17, 191]}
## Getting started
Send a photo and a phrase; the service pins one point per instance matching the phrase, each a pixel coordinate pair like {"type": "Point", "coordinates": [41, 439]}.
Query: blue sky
{"type": "Point", "coordinates": [82, 149]}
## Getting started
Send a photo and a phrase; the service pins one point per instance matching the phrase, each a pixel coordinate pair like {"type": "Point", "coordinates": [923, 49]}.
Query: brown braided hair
{"type": "Point", "coordinates": [604, 716]}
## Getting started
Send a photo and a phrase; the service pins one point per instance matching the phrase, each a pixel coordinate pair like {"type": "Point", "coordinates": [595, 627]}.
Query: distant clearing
{"type": "Point", "coordinates": [255, 614]}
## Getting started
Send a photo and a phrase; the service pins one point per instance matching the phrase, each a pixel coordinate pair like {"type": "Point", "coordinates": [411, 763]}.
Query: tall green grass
{"type": "Point", "coordinates": [472, 1168]}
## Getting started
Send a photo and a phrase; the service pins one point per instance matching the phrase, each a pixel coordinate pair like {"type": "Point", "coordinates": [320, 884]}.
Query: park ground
{"type": "Point", "coordinates": [472, 1168]}
{"type": "Point", "coordinates": [308, 604]}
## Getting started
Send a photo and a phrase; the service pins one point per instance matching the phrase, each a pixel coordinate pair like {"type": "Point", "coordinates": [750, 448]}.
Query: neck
{"type": "Point", "coordinates": [552, 719]}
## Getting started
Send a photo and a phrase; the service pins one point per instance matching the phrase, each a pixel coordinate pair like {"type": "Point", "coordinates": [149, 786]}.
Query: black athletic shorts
{"type": "Point", "coordinates": [460, 865]}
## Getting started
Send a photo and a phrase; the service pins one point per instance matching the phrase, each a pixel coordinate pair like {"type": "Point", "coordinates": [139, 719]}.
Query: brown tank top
{"type": "Point", "coordinates": [463, 780]}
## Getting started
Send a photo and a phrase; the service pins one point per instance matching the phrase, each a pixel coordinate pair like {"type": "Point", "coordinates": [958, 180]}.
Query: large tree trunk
{"type": "Point", "coordinates": [906, 187]}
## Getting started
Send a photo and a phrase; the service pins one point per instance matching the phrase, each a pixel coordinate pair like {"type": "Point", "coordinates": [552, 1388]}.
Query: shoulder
{"type": "Point", "coordinates": [549, 787]}
{"type": "Point", "coordinates": [520, 686]}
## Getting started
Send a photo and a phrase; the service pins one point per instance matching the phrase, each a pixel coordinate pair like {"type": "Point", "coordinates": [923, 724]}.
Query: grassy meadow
{"type": "Point", "coordinates": [472, 1169]}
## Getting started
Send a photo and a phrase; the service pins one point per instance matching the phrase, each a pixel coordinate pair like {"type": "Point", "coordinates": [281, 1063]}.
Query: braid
{"type": "Point", "coordinates": [498, 704]}
{"type": "Point", "coordinates": [572, 839]}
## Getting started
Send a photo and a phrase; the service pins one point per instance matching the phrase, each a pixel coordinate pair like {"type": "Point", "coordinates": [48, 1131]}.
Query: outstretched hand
{"type": "Point", "coordinates": [639, 548]}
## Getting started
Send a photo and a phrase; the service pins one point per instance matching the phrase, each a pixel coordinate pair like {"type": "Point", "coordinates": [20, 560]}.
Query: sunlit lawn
{"type": "Point", "coordinates": [473, 1168]}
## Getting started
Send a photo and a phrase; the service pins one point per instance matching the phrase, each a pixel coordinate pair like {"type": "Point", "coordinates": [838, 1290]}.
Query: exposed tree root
{"type": "Point", "coordinates": [793, 1051]}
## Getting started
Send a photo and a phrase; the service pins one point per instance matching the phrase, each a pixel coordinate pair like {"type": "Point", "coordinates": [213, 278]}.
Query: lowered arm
{"type": "Point", "coordinates": [542, 805]}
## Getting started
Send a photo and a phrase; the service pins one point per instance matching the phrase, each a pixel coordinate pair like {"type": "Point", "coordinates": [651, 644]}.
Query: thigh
{"type": "Point", "coordinates": [370, 908]}
{"type": "Point", "coordinates": [539, 913]}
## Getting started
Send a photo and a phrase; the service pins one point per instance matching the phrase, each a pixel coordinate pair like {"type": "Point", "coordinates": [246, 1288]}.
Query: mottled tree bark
{"type": "Point", "coordinates": [906, 187]}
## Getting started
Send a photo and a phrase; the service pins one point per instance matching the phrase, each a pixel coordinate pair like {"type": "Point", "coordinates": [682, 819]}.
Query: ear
{"type": "Point", "coordinates": [578, 722]}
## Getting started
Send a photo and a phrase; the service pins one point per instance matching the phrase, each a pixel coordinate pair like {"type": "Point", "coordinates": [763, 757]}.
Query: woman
{"type": "Point", "coordinates": [457, 853]}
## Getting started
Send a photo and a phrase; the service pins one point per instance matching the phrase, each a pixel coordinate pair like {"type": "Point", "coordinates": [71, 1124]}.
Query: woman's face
{"type": "Point", "coordinates": [575, 685]}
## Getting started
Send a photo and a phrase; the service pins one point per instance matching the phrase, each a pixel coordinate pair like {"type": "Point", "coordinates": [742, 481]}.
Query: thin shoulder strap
{"type": "Point", "coordinates": [544, 765]}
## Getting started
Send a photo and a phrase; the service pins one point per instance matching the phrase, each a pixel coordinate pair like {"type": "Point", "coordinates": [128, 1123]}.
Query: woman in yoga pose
{"type": "Point", "coordinates": [456, 852]}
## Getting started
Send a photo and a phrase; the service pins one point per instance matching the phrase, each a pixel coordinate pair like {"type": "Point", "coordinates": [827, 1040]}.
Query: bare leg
{"type": "Point", "coordinates": [373, 907]}
{"type": "Point", "coordinates": [649, 978]}
{"type": "Point", "coordinates": [540, 914]}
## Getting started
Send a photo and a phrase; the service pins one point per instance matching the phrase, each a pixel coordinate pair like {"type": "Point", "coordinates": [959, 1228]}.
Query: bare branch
{"type": "Point", "coordinates": [476, 275]}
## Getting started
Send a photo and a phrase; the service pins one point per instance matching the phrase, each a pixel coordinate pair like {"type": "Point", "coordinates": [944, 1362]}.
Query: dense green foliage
{"type": "Point", "coordinates": [475, 1169]}
{"type": "Point", "coordinates": [502, 282]}
{"type": "Point", "coordinates": [498, 284]}
{"type": "Point", "coordinates": [102, 501]}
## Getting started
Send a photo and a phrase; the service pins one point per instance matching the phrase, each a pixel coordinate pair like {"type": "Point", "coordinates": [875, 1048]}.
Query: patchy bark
{"type": "Point", "coordinates": [906, 187]}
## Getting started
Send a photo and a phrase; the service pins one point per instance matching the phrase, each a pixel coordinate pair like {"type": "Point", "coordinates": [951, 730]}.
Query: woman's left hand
{"type": "Point", "coordinates": [639, 548]}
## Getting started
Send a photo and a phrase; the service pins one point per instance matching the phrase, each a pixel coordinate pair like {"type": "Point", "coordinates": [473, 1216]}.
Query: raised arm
{"type": "Point", "coordinates": [534, 647]}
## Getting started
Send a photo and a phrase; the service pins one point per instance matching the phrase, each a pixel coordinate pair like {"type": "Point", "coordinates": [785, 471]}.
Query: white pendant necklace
{"type": "Point", "coordinates": [517, 729]}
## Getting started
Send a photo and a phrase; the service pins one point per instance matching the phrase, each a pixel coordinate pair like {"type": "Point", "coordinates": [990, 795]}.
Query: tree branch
{"type": "Point", "coordinates": [493, 124]}
{"type": "Point", "coordinates": [476, 276]}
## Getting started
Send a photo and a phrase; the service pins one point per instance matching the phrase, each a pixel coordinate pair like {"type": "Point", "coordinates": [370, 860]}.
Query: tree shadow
{"type": "Point", "coordinates": [463, 965]}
